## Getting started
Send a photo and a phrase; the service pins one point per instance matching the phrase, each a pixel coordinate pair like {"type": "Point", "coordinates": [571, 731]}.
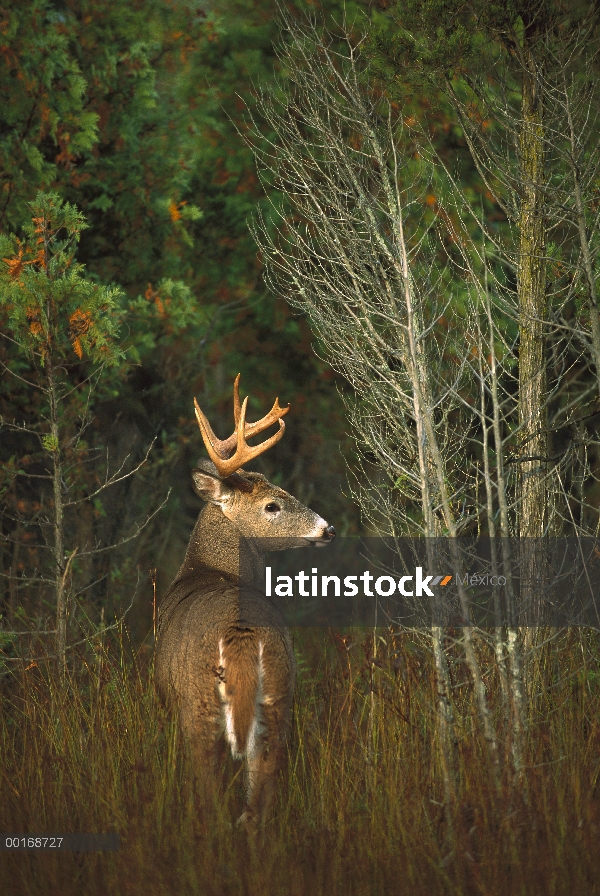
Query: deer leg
{"type": "Point", "coordinates": [263, 763]}
{"type": "Point", "coordinates": [203, 732]}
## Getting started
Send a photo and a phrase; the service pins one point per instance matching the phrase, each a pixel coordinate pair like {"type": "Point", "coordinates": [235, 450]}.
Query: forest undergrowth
{"type": "Point", "coordinates": [359, 809]}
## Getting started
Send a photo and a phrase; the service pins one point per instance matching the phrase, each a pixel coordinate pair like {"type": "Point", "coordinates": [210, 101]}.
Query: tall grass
{"type": "Point", "coordinates": [359, 805]}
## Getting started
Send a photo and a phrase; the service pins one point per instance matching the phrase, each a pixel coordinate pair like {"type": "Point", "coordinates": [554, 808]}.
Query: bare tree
{"type": "Point", "coordinates": [361, 259]}
{"type": "Point", "coordinates": [465, 358]}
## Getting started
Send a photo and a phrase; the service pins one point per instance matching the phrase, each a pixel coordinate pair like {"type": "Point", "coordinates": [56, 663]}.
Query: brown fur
{"type": "Point", "coordinates": [208, 644]}
{"type": "Point", "coordinates": [241, 650]}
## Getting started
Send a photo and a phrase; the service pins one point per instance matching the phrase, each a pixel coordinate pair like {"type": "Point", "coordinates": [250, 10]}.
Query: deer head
{"type": "Point", "coordinates": [256, 508]}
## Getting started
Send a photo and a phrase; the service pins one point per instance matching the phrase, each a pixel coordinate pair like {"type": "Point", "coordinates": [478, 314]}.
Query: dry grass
{"type": "Point", "coordinates": [358, 810]}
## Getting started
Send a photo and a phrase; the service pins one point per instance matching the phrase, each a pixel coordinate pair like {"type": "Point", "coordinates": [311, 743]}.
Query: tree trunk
{"type": "Point", "coordinates": [59, 541]}
{"type": "Point", "coordinates": [532, 314]}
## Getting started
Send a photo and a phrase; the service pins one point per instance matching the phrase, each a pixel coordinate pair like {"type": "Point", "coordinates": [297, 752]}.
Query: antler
{"type": "Point", "coordinates": [220, 450]}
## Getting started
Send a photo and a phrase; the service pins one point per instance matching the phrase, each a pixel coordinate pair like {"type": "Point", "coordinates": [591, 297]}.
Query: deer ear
{"type": "Point", "coordinates": [210, 487]}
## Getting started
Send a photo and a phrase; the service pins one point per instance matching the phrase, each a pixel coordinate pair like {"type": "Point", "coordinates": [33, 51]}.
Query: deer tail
{"type": "Point", "coordinates": [239, 685]}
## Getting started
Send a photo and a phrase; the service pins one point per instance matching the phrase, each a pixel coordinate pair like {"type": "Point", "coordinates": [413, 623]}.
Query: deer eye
{"type": "Point", "coordinates": [272, 507]}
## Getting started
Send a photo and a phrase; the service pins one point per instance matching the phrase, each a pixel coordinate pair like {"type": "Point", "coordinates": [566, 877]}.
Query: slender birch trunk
{"type": "Point", "coordinates": [499, 646]}
{"type": "Point", "coordinates": [423, 413]}
{"type": "Point", "coordinates": [532, 314]}
{"type": "Point", "coordinates": [513, 646]}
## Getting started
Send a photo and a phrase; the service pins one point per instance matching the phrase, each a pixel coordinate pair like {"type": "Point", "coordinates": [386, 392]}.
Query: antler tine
{"type": "Point", "coordinates": [244, 453]}
{"type": "Point", "coordinates": [274, 415]}
{"type": "Point", "coordinates": [222, 447]}
{"type": "Point", "coordinates": [236, 401]}
{"type": "Point", "coordinates": [254, 429]}
{"type": "Point", "coordinates": [219, 450]}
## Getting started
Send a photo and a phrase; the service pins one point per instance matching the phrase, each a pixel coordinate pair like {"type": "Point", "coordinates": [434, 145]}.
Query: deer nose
{"type": "Point", "coordinates": [329, 532]}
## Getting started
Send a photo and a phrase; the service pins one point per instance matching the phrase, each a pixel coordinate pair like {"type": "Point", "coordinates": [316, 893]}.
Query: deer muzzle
{"type": "Point", "coordinates": [327, 535]}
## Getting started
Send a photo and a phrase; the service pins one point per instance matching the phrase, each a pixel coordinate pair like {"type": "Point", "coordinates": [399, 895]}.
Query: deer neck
{"type": "Point", "coordinates": [215, 544]}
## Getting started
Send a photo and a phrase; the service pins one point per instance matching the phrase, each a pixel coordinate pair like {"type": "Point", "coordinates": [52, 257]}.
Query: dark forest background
{"type": "Point", "coordinates": [135, 113]}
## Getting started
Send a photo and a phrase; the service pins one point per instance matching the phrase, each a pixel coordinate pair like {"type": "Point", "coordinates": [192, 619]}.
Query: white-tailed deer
{"type": "Point", "coordinates": [230, 667]}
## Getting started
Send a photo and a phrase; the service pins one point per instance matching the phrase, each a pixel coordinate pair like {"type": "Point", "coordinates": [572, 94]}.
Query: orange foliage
{"type": "Point", "coordinates": [10, 57]}
{"type": "Point", "coordinates": [64, 157]}
{"type": "Point", "coordinates": [40, 227]}
{"type": "Point", "coordinates": [247, 183]}
{"type": "Point", "coordinates": [174, 209]}
{"type": "Point", "coordinates": [80, 322]}
{"type": "Point", "coordinates": [40, 255]}
{"type": "Point", "coordinates": [154, 296]}
{"type": "Point", "coordinates": [221, 177]}
{"type": "Point", "coordinates": [16, 264]}
{"type": "Point", "coordinates": [79, 177]}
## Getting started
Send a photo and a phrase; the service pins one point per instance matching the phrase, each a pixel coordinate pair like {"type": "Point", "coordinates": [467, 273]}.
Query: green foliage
{"type": "Point", "coordinates": [97, 103]}
{"type": "Point", "coordinates": [50, 443]}
{"type": "Point", "coordinates": [53, 311]}
{"type": "Point", "coordinates": [419, 45]}
{"type": "Point", "coordinates": [131, 113]}
{"type": "Point", "coordinates": [44, 116]}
